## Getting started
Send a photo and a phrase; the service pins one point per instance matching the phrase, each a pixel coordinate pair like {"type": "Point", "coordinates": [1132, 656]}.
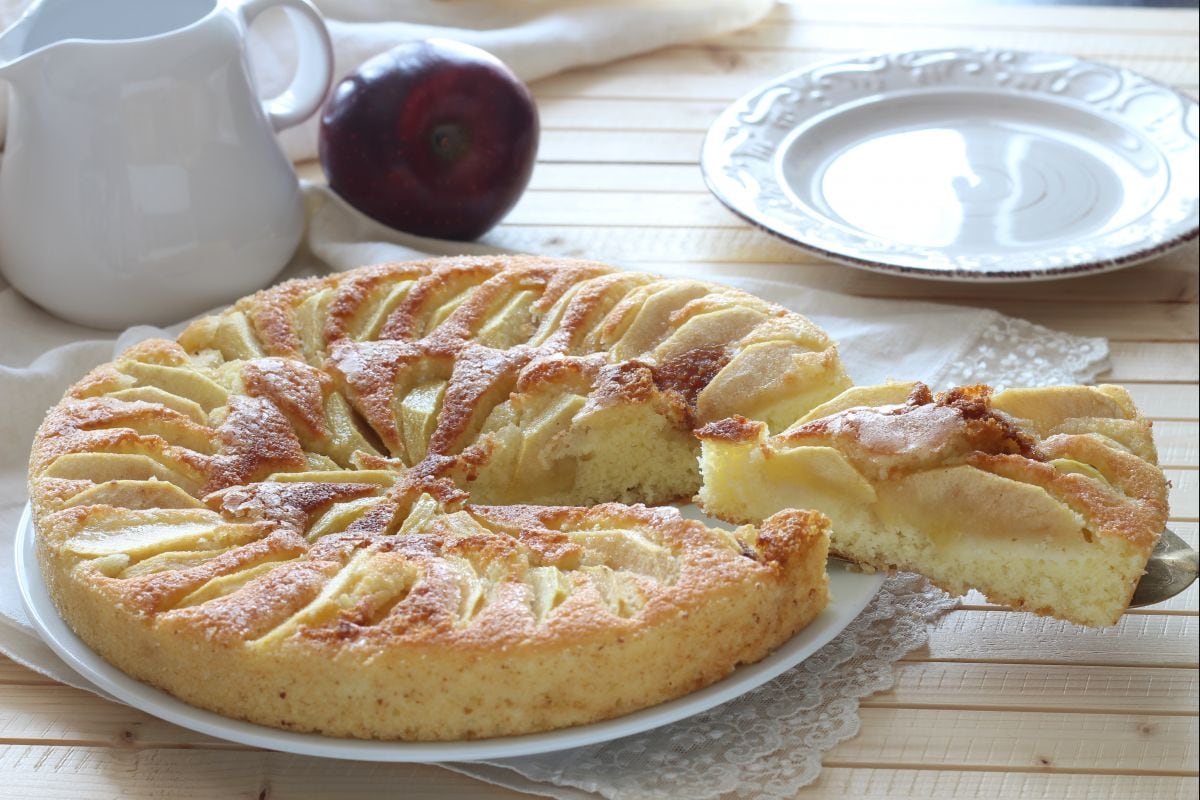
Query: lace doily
{"type": "Point", "coordinates": [771, 740]}
{"type": "Point", "coordinates": [1015, 352]}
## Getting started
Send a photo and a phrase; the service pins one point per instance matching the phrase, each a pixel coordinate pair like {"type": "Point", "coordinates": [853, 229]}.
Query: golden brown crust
{"type": "Point", "coordinates": [295, 388]}
{"type": "Point", "coordinates": [274, 498]}
{"type": "Point", "coordinates": [732, 429]}
{"type": "Point", "coordinates": [270, 313]}
{"type": "Point", "coordinates": [922, 423]}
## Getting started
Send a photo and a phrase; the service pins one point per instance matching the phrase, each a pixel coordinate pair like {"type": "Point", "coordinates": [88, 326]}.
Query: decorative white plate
{"type": "Point", "coordinates": [850, 592]}
{"type": "Point", "coordinates": [964, 164]}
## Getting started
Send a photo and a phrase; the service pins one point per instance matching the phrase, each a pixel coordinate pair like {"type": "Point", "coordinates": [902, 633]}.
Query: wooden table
{"type": "Point", "coordinates": [999, 704]}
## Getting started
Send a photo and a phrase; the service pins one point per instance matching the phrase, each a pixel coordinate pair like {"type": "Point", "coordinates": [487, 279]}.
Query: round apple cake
{"type": "Point", "coordinates": [412, 501]}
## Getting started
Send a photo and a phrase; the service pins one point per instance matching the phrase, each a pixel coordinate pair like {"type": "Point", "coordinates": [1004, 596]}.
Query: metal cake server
{"type": "Point", "coordinates": [1171, 569]}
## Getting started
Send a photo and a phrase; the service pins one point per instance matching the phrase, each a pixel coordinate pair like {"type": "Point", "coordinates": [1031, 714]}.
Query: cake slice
{"type": "Point", "coordinates": [1049, 500]}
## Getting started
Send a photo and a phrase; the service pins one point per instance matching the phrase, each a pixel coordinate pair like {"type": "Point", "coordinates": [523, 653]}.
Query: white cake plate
{"type": "Point", "coordinates": [964, 164]}
{"type": "Point", "coordinates": [850, 593]}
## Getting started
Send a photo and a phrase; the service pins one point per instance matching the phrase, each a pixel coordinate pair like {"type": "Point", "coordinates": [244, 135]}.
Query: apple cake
{"type": "Point", "coordinates": [387, 503]}
{"type": "Point", "coordinates": [412, 501]}
{"type": "Point", "coordinates": [1049, 500]}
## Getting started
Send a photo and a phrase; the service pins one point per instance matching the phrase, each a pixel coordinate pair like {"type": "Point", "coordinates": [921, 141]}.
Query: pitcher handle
{"type": "Point", "coordinates": [314, 62]}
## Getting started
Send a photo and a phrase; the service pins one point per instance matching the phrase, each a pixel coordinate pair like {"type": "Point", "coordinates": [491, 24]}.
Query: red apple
{"type": "Point", "coordinates": [435, 137]}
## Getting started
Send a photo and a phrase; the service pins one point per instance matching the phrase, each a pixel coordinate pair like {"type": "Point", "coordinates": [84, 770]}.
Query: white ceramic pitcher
{"type": "Point", "coordinates": [141, 181]}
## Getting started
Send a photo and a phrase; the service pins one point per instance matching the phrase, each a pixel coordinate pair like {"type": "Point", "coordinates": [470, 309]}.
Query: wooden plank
{"type": "Point", "coordinates": [619, 114]}
{"type": "Point", "coordinates": [679, 210]}
{"type": "Point", "coordinates": [1005, 636]}
{"type": "Point", "coordinates": [1156, 362]}
{"type": "Point", "coordinates": [1184, 495]}
{"type": "Point", "coordinates": [621, 147]}
{"type": "Point", "coordinates": [717, 73]}
{"type": "Point", "coordinates": [589, 178]}
{"type": "Point", "coordinates": [1187, 531]}
{"type": "Point", "coordinates": [890, 736]}
{"type": "Point", "coordinates": [1021, 740]}
{"type": "Point", "coordinates": [1156, 21]}
{"type": "Point", "coordinates": [1037, 687]}
{"type": "Point", "coordinates": [1167, 322]}
{"type": "Point", "coordinates": [82, 773]}
{"type": "Point", "coordinates": [15, 674]}
{"type": "Point", "coordinates": [834, 37]}
{"type": "Point", "coordinates": [1178, 443]}
{"type": "Point", "coordinates": [838, 783]}
{"type": "Point", "coordinates": [59, 713]}
{"type": "Point", "coordinates": [1166, 400]}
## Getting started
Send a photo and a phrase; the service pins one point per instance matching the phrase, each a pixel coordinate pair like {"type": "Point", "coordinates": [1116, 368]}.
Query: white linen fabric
{"type": "Point", "coordinates": [770, 741]}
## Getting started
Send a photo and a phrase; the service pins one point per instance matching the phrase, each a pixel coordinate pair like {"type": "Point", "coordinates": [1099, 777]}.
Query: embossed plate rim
{"type": "Point", "coordinates": [855, 589]}
{"type": "Point", "coordinates": [746, 202]}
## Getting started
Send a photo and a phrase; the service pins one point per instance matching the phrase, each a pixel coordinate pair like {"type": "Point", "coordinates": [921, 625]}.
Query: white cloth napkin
{"type": "Point", "coordinates": [535, 38]}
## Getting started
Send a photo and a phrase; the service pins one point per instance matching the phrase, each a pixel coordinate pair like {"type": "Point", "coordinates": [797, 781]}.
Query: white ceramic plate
{"type": "Point", "coordinates": [964, 164]}
{"type": "Point", "coordinates": [850, 594]}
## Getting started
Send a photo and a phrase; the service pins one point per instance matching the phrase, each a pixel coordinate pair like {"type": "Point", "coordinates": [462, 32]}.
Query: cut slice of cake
{"type": "Point", "coordinates": [1048, 499]}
